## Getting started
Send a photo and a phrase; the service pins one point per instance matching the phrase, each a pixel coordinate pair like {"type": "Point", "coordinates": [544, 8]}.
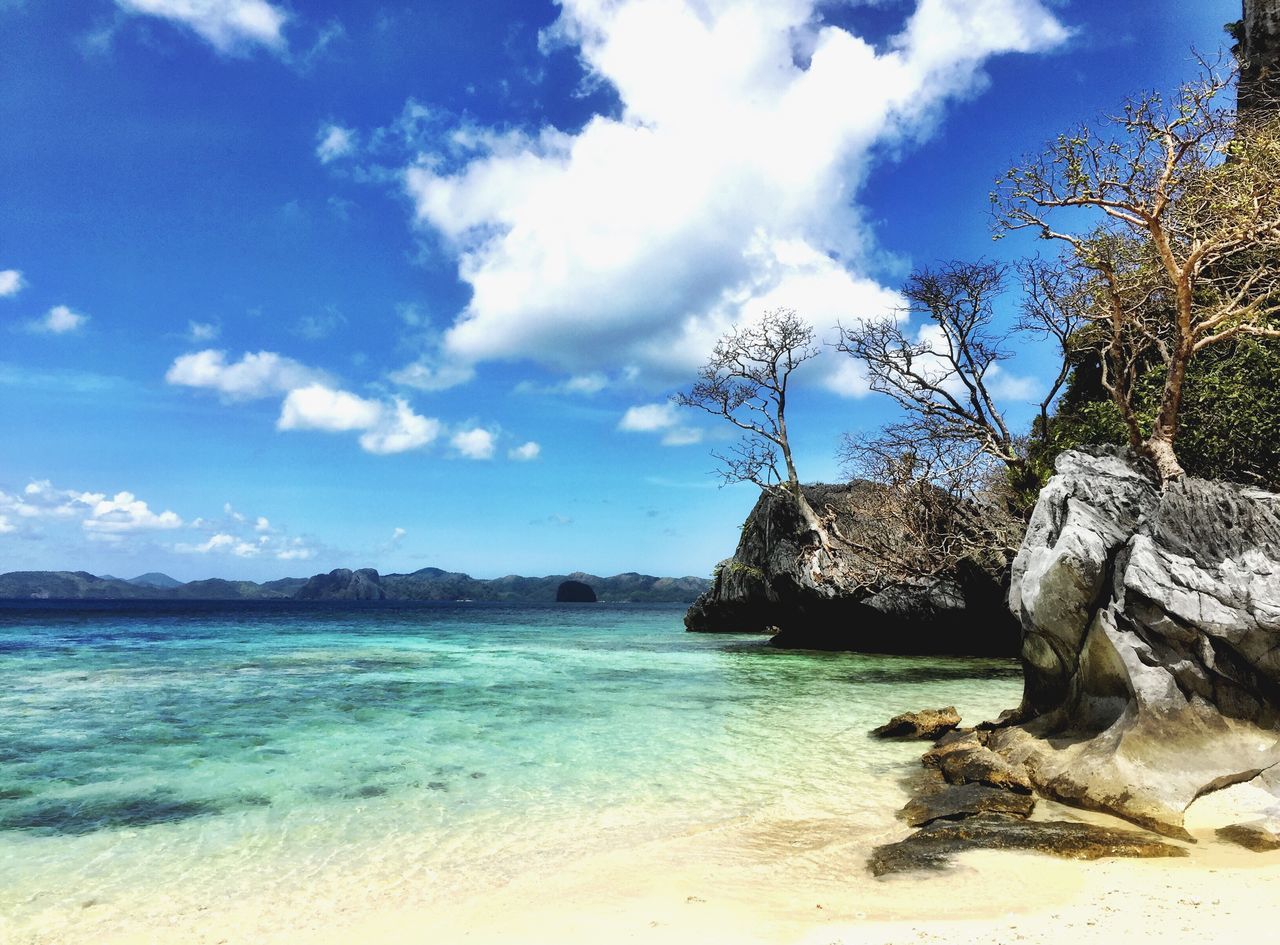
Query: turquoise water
{"type": "Point", "coordinates": [160, 759]}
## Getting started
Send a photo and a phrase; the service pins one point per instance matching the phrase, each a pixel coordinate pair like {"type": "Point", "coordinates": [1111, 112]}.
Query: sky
{"type": "Point", "coordinates": [287, 286]}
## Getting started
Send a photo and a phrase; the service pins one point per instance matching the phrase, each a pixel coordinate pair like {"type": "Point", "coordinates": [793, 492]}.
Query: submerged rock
{"type": "Point", "coordinates": [927, 724]}
{"type": "Point", "coordinates": [771, 585]}
{"type": "Point", "coordinates": [932, 846]}
{"type": "Point", "coordinates": [1151, 639]}
{"type": "Point", "coordinates": [575, 592]}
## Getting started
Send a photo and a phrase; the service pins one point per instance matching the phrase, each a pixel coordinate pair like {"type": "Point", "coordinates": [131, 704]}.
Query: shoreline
{"type": "Point", "coordinates": [787, 880]}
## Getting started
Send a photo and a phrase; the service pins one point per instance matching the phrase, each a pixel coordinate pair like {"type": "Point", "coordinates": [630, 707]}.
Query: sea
{"type": "Point", "coordinates": [158, 759]}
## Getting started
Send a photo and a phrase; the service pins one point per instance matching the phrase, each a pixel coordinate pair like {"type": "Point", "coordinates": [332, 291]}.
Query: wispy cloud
{"type": "Point", "coordinates": [232, 27]}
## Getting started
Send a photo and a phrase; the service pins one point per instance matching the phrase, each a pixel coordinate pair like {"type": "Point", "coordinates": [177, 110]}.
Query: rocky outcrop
{"type": "Point", "coordinates": [928, 724]}
{"type": "Point", "coordinates": [932, 847]}
{"type": "Point", "coordinates": [575, 592]}
{"type": "Point", "coordinates": [344, 584]}
{"type": "Point", "coordinates": [1151, 639]}
{"type": "Point", "coordinates": [1259, 54]}
{"type": "Point", "coordinates": [770, 585]}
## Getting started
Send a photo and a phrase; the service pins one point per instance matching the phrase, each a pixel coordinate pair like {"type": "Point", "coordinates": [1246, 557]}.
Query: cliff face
{"type": "Point", "coordinates": [1259, 54]}
{"type": "Point", "coordinates": [1151, 639]}
{"type": "Point", "coordinates": [344, 584]}
{"type": "Point", "coordinates": [771, 585]}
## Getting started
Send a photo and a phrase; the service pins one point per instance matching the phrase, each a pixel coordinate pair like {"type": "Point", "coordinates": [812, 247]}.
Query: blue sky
{"type": "Point", "coordinates": [289, 286]}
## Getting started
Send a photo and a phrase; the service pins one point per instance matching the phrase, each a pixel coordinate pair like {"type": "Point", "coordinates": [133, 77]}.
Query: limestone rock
{"type": "Point", "coordinates": [575, 592]}
{"type": "Point", "coordinates": [927, 724]}
{"type": "Point", "coordinates": [1151, 639]}
{"type": "Point", "coordinates": [776, 584]}
{"type": "Point", "coordinates": [344, 584]}
{"type": "Point", "coordinates": [932, 846]}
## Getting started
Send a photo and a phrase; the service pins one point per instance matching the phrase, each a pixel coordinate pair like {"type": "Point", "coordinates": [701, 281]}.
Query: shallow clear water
{"type": "Point", "coordinates": [158, 758]}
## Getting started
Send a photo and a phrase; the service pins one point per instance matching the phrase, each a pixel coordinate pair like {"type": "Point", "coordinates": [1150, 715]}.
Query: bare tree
{"type": "Point", "coordinates": [745, 381]}
{"type": "Point", "coordinates": [1182, 240]}
{"type": "Point", "coordinates": [939, 373]}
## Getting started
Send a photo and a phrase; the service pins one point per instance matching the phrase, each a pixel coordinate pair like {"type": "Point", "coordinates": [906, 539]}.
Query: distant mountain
{"type": "Point", "coordinates": [426, 584]}
{"type": "Point", "coordinates": [154, 579]}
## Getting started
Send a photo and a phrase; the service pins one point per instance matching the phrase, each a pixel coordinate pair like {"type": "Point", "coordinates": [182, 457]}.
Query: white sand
{"type": "Point", "coordinates": [802, 881]}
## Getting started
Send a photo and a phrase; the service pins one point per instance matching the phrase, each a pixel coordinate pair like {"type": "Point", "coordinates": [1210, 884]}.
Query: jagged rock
{"type": "Point", "coordinates": [926, 724]}
{"type": "Point", "coordinates": [575, 592]}
{"type": "Point", "coordinates": [932, 846]}
{"type": "Point", "coordinates": [1260, 836]}
{"type": "Point", "coordinates": [968, 764]}
{"type": "Point", "coordinates": [772, 585]}
{"type": "Point", "coordinates": [1151, 639]}
{"type": "Point", "coordinates": [344, 584]}
{"type": "Point", "coordinates": [951, 742]}
{"type": "Point", "coordinates": [957, 801]}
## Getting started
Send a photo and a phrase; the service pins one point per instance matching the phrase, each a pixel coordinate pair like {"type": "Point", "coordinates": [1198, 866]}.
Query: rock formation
{"type": "Point", "coordinates": [770, 585]}
{"type": "Point", "coordinates": [344, 584]}
{"type": "Point", "coordinates": [1151, 639]}
{"type": "Point", "coordinates": [1258, 51]}
{"type": "Point", "coordinates": [575, 592]}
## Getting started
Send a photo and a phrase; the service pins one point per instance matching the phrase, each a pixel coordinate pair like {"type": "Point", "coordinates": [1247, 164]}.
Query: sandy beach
{"type": "Point", "coordinates": [798, 882]}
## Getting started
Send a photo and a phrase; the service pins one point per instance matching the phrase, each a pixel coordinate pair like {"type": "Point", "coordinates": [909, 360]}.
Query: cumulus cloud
{"type": "Point", "coordinates": [525, 452]}
{"type": "Point", "coordinates": [11, 283]}
{"type": "Point", "coordinates": [477, 443]}
{"type": "Point", "coordinates": [661, 418]}
{"type": "Point", "coordinates": [726, 183]}
{"type": "Point", "coordinates": [6, 526]}
{"type": "Point", "coordinates": [334, 142]}
{"type": "Point", "coordinates": [252, 377]}
{"type": "Point", "coordinates": [232, 27]}
{"type": "Point", "coordinates": [59, 320]}
{"type": "Point", "coordinates": [385, 426]}
{"type": "Point", "coordinates": [125, 512]}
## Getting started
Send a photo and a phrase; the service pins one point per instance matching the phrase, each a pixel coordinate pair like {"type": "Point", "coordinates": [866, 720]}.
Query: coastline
{"type": "Point", "coordinates": [775, 880]}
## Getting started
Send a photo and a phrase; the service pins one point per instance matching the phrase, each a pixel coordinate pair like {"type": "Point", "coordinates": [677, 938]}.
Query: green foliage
{"type": "Point", "coordinates": [1229, 422]}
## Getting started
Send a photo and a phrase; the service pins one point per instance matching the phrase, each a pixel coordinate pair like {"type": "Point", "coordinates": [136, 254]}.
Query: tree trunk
{"type": "Point", "coordinates": [1159, 445]}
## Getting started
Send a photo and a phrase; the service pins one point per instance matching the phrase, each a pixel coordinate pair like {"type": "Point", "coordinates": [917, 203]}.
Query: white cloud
{"type": "Point", "coordinates": [262, 524]}
{"type": "Point", "coordinates": [10, 283]}
{"type": "Point", "coordinates": [647, 418]}
{"type": "Point", "coordinates": [334, 142]}
{"type": "Point", "coordinates": [430, 374]}
{"type": "Point", "coordinates": [216, 542]}
{"type": "Point", "coordinates": [477, 443]}
{"type": "Point", "coordinates": [525, 452]}
{"type": "Point", "coordinates": [660, 418]}
{"type": "Point", "coordinates": [59, 320]}
{"type": "Point", "coordinates": [203, 331]}
{"type": "Point", "coordinates": [399, 430]}
{"type": "Point", "coordinates": [125, 512]}
{"type": "Point", "coordinates": [252, 377]}
{"type": "Point", "coordinates": [727, 178]}
{"type": "Point", "coordinates": [317, 407]}
{"type": "Point", "coordinates": [5, 526]}
{"type": "Point", "coordinates": [229, 26]}
{"type": "Point", "coordinates": [386, 427]}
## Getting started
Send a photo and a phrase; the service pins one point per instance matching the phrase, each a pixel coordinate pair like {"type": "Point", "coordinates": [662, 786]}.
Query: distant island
{"type": "Point", "coordinates": [427, 584]}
